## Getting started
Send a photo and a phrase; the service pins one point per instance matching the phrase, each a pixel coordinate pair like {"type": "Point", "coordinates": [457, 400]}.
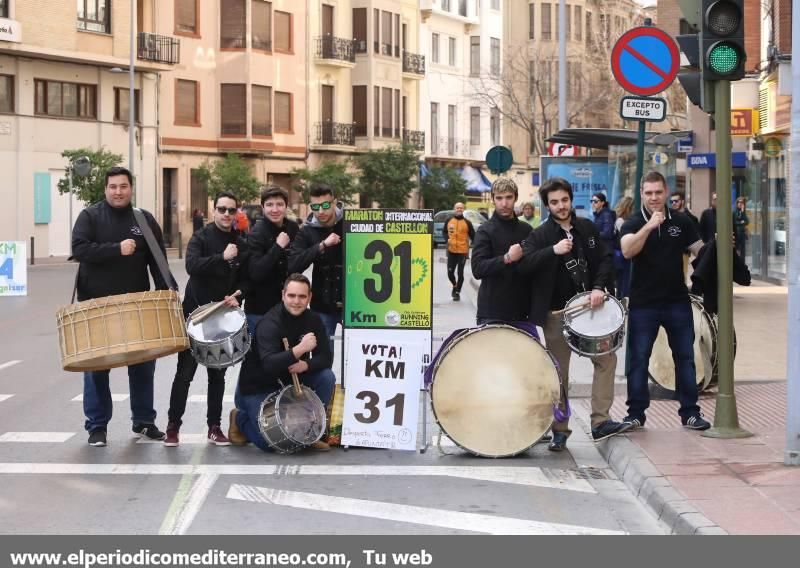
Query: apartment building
{"type": "Point", "coordinates": [58, 91]}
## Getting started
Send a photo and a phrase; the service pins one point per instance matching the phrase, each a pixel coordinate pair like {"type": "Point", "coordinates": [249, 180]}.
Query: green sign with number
{"type": "Point", "coordinates": [388, 268]}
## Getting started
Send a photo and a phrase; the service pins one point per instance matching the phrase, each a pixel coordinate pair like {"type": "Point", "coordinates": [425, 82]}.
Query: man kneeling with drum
{"type": "Point", "coordinates": [268, 364]}
{"type": "Point", "coordinates": [565, 257]}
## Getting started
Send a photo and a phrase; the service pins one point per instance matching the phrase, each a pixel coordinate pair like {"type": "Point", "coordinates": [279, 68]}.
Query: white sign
{"type": "Point", "coordinates": [13, 270]}
{"type": "Point", "coordinates": [383, 378]}
{"type": "Point", "coordinates": [10, 30]}
{"type": "Point", "coordinates": [557, 149]}
{"type": "Point", "coordinates": [643, 108]}
{"type": "Point", "coordinates": [660, 158]}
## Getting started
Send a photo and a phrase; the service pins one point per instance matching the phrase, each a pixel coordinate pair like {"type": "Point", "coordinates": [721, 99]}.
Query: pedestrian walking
{"type": "Point", "coordinates": [458, 232]}
{"type": "Point", "coordinates": [604, 219]}
{"type": "Point", "coordinates": [529, 215]}
{"type": "Point", "coordinates": [740, 223]}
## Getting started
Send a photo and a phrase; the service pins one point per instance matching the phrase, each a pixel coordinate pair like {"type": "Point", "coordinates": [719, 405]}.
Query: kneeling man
{"type": "Point", "coordinates": [268, 364]}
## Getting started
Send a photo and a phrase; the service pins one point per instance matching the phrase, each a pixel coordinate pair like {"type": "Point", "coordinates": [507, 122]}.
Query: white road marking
{"type": "Point", "coordinates": [8, 364]}
{"type": "Point", "coordinates": [5, 397]}
{"type": "Point", "coordinates": [472, 522]}
{"type": "Point", "coordinates": [36, 437]}
{"type": "Point", "coordinates": [115, 397]}
{"type": "Point", "coordinates": [180, 522]}
{"type": "Point", "coordinates": [184, 439]}
{"type": "Point", "coordinates": [204, 398]}
{"type": "Point", "coordinates": [528, 476]}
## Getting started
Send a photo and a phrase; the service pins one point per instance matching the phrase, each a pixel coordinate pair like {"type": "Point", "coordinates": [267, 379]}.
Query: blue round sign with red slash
{"type": "Point", "coordinates": [645, 60]}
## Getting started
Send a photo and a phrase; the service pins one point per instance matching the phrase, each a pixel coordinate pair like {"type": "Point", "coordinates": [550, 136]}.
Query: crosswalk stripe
{"type": "Point", "coordinates": [5, 397]}
{"type": "Point", "coordinates": [472, 522]}
{"type": "Point", "coordinates": [36, 437]}
{"type": "Point", "coordinates": [184, 439]}
{"type": "Point", "coordinates": [527, 476]}
{"type": "Point", "coordinates": [204, 398]}
{"type": "Point", "coordinates": [8, 364]}
{"type": "Point", "coordinates": [115, 397]}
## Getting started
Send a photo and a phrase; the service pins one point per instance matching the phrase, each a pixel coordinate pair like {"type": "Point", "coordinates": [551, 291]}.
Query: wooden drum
{"type": "Point", "coordinates": [122, 330]}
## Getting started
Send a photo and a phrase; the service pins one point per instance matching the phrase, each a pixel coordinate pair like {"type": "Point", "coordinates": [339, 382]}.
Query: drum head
{"type": "Point", "coordinates": [493, 391]}
{"type": "Point", "coordinates": [301, 416]}
{"type": "Point", "coordinates": [662, 367]}
{"type": "Point", "coordinates": [598, 322]}
{"type": "Point", "coordinates": [223, 323]}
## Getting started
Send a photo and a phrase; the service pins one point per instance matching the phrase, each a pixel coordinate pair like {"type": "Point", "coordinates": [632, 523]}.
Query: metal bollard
{"type": "Point", "coordinates": [180, 245]}
{"type": "Point", "coordinates": [33, 258]}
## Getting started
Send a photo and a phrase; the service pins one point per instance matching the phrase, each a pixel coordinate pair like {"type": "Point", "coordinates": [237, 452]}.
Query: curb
{"type": "Point", "coordinates": [651, 487]}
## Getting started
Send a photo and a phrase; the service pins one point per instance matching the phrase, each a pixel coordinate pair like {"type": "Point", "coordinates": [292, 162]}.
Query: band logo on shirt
{"type": "Point", "coordinates": [136, 231]}
{"type": "Point", "coordinates": [674, 231]}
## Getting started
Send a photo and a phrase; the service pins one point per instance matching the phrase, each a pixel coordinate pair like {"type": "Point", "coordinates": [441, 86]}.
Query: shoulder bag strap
{"type": "Point", "coordinates": [155, 250]}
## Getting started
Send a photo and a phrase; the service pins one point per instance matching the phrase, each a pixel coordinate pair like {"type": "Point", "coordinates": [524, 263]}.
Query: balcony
{"type": "Point", "coordinates": [414, 138]}
{"type": "Point", "coordinates": [414, 64]}
{"type": "Point", "coordinates": [158, 48]}
{"type": "Point", "coordinates": [335, 134]}
{"type": "Point", "coordinates": [452, 147]}
{"type": "Point", "coordinates": [335, 51]}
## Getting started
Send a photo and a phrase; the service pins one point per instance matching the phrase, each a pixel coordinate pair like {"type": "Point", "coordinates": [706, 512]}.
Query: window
{"type": "Point", "coordinates": [462, 8]}
{"type": "Point", "coordinates": [122, 99]}
{"type": "Point", "coordinates": [435, 48]}
{"type": "Point", "coordinates": [360, 29]}
{"type": "Point", "coordinates": [262, 111]}
{"type": "Point", "coordinates": [475, 126]}
{"type": "Point", "coordinates": [54, 98]}
{"type": "Point", "coordinates": [588, 28]}
{"type": "Point", "coordinates": [6, 93]}
{"type": "Point", "coordinates": [495, 4]}
{"type": "Point", "coordinates": [283, 31]}
{"type": "Point", "coordinates": [283, 113]}
{"type": "Point", "coordinates": [495, 55]}
{"type": "Point", "coordinates": [545, 19]}
{"type": "Point", "coordinates": [446, 5]}
{"type": "Point", "coordinates": [93, 15]}
{"type": "Point", "coordinates": [186, 103]}
{"type": "Point", "coordinates": [233, 25]}
{"type": "Point", "coordinates": [397, 35]}
{"type": "Point", "coordinates": [360, 109]}
{"type": "Point", "coordinates": [494, 126]}
{"type": "Point", "coordinates": [434, 127]}
{"type": "Point", "coordinates": [376, 114]}
{"type": "Point", "coordinates": [451, 129]}
{"type": "Point", "coordinates": [199, 192]}
{"type": "Point", "coordinates": [376, 30]}
{"type": "Point", "coordinates": [452, 51]}
{"type": "Point", "coordinates": [397, 113]}
{"type": "Point", "coordinates": [386, 114]}
{"type": "Point", "coordinates": [475, 55]}
{"type": "Point", "coordinates": [386, 33]}
{"type": "Point", "coordinates": [531, 21]}
{"type": "Point", "coordinates": [261, 26]}
{"type": "Point", "coordinates": [578, 24]}
{"type": "Point", "coordinates": [186, 13]}
{"type": "Point", "coordinates": [569, 22]}
{"type": "Point", "coordinates": [3, 8]}
{"type": "Point", "coordinates": [234, 109]}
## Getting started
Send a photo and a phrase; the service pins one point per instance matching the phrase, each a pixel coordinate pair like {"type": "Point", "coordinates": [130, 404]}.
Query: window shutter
{"type": "Point", "coordinates": [262, 111]}
{"type": "Point", "coordinates": [234, 109]}
{"type": "Point", "coordinates": [283, 31]}
{"type": "Point", "coordinates": [233, 23]}
{"type": "Point", "coordinates": [186, 102]}
{"type": "Point", "coordinates": [186, 15]}
{"type": "Point", "coordinates": [283, 112]}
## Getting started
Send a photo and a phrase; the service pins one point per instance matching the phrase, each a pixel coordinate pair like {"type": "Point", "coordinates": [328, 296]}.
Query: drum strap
{"type": "Point", "coordinates": [155, 250]}
{"type": "Point", "coordinates": [578, 270]}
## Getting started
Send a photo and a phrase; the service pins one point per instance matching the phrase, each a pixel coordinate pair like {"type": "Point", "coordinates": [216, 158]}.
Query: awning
{"type": "Point", "coordinates": [476, 181]}
{"type": "Point", "coordinates": [602, 138]}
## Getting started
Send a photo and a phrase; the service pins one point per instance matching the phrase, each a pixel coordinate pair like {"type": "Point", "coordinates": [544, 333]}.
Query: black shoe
{"type": "Point", "coordinates": [609, 428]}
{"type": "Point", "coordinates": [456, 296]}
{"type": "Point", "coordinates": [545, 438]}
{"type": "Point", "coordinates": [453, 294]}
{"type": "Point", "coordinates": [148, 432]}
{"type": "Point", "coordinates": [696, 422]}
{"type": "Point", "coordinates": [635, 423]}
{"type": "Point", "coordinates": [97, 438]}
{"type": "Point", "coordinates": [559, 443]}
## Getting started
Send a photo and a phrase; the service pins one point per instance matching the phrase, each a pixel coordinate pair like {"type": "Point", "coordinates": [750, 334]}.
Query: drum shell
{"type": "Point", "coordinates": [272, 429]}
{"type": "Point", "coordinates": [117, 331]}
{"type": "Point", "coordinates": [221, 353]}
{"type": "Point", "coordinates": [593, 345]}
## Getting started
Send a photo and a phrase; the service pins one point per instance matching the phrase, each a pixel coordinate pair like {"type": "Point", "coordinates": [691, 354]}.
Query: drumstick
{"type": "Point", "coordinates": [213, 308]}
{"type": "Point", "coordinates": [297, 390]}
{"type": "Point", "coordinates": [577, 307]}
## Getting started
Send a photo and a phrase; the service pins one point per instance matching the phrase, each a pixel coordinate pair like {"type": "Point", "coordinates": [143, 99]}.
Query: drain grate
{"type": "Point", "coordinates": [588, 473]}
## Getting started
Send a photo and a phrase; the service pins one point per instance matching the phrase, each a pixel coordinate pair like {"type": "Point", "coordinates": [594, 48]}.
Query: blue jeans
{"type": "Point", "coordinates": [322, 382]}
{"type": "Point", "coordinates": [97, 404]}
{"type": "Point", "coordinates": [252, 321]}
{"type": "Point", "coordinates": [330, 321]}
{"type": "Point", "coordinates": [643, 324]}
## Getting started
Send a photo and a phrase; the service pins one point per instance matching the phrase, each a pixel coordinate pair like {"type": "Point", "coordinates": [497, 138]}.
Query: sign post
{"type": "Point", "coordinates": [388, 305]}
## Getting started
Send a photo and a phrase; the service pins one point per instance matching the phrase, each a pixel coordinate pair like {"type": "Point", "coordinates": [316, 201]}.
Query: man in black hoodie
{"type": "Point", "coordinates": [504, 295]}
{"type": "Point", "coordinates": [268, 364]}
{"type": "Point", "coordinates": [319, 242]}
{"type": "Point", "coordinates": [564, 257]}
{"type": "Point", "coordinates": [216, 261]}
{"type": "Point", "coordinates": [114, 259]}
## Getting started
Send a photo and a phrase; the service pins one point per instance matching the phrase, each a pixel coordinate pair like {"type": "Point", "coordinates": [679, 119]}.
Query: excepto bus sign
{"type": "Point", "coordinates": [643, 108]}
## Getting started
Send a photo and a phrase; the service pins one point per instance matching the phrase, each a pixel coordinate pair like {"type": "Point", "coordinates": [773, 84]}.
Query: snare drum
{"type": "Point", "coordinates": [220, 340]}
{"type": "Point", "coordinates": [594, 332]}
{"type": "Point", "coordinates": [289, 421]}
{"type": "Point", "coordinates": [493, 390]}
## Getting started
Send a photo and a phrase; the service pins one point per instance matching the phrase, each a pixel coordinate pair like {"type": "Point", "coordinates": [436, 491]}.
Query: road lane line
{"type": "Point", "coordinates": [179, 520]}
{"type": "Point", "coordinates": [442, 518]}
{"type": "Point", "coordinates": [5, 397]}
{"type": "Point", "coordinates": [115, 397]}
{"type": "Point", "coordinates": [36, 437]}
{"type": "Point", "coordinates": [204, 398]}
{"type": "Point", "coordinates": [8, 364]}
{"type": "Point", "coordinates": [526, 476]}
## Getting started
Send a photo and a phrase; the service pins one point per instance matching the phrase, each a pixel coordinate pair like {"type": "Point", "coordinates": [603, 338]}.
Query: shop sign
{"type": "Point", "coordinates": [773, 147]}
{"type": "Point", "coordinates": [744, 121]}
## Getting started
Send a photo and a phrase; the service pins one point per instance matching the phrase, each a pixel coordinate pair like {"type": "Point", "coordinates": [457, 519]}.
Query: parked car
{"type": "Point", "coordinates": [441, 218]}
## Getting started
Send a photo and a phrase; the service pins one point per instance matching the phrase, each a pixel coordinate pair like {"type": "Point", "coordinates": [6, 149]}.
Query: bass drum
{"type": "Point", "coordinates": [494, 389]}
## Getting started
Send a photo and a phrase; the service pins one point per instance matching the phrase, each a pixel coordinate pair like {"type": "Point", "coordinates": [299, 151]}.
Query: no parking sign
{"type": "Point", "coordinates": [645, 60]}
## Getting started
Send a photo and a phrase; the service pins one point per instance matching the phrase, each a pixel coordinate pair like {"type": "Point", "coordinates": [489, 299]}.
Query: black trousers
{"type": "Point", "coordinates": [456, 261]}
{"type": "Point", "coordinates": [187, 366]}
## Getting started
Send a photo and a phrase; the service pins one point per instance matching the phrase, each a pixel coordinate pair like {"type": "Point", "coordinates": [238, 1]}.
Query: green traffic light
{"type": "Point", "coordinates": [723, 58]}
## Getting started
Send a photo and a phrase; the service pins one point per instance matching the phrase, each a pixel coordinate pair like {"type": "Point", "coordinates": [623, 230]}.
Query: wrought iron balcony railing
{"type": "Point", "coordinates": [413, 63]}
{"type": "Point", "coordinates": [336, 48]}
{"type": "Point", "coordinates": [336, 133]}
{"type": "Point", "coordinates": [415, 138]}
{"type": "Point", "coordinates": [158, 48]}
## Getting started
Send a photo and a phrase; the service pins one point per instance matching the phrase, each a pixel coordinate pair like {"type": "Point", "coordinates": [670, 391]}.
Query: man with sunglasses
{"type": "Point", "coordinates": [677, 202]}
{"type": "Point", "coordinates": [216, 261]}
{"type": "Point", "coordinates": [319, 243]}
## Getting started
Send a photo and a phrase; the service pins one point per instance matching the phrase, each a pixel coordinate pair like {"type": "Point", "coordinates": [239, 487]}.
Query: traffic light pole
{"type": "Point", "coordinates": [726, 418]}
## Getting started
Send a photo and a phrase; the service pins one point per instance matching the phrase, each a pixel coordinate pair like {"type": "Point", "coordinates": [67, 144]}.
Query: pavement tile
{"type": "Point", "coordinates": [768, 474]}
{"type": "Point", "coordinates": [725, 493]}
{"type": "Point", "coordinates": [714, 468]}
{"type": "Point", "coordinates": [787, 498]}
{"type": "Point", "coordinates": [736, 518]}
{"type": "Point", "coordinates": [699, 482]}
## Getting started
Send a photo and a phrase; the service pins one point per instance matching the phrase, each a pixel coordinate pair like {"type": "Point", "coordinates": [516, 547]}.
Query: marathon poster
{"type": "Point", "coordinates": [587, 177]}
{"type": "Point", "coordinates": [13, 270]}
{"type": "Point", "coordinates": [388, 268]}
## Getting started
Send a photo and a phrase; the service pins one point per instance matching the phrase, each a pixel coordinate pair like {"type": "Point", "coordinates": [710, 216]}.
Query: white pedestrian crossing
{"type": "Point", "coordinates": [204, 398]}
{"type": "Point", "coordinates": [36, 437]}
{"type": "Point", "coordinates": [116, 397]}
{"type": "Point", "coordinates": [8, 364]}
{"type": "Point", "coordinates": [5, 397]}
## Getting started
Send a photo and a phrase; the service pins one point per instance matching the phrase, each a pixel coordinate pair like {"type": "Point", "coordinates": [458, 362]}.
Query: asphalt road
{"type": "Point", "coordinates": [52, 482]}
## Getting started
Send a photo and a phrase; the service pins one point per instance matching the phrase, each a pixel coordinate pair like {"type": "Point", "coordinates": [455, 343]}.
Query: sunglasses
{"type": "Point", "coordinates": [229, 210]}
{"type": "Point", "coordinates": [595, 200]}
{"type": "Point", "coordinates": [674, 200]}
{"type": "Point", "coordinates": [318, 206]}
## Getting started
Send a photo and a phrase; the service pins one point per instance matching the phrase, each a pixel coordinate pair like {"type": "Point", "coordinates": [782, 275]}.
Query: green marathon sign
{"type": "Point", "coordinates": [388, 268]}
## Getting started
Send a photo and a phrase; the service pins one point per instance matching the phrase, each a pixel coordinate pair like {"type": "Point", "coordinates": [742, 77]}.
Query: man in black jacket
{"type": "Point", "coordinates": [268, 246]}
{"type": "Point", "coordinates": [268, 364]}
{"type": "Point", "coordinates": [504, 295]}
{"type": "Point", "coordinates": [216, 261]}
{"type": "Point", "coordinates": [319, 243]}
{"type": "Point", "coordinates": [114, 259]}
{"type": "Point", "coordinates": [708, 221]}
{"type": "Point", "coordinates": [564, 257]}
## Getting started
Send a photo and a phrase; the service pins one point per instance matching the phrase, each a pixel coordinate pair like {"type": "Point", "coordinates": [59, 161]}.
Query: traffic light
{"type": "Point", "coordinates": [722, 37]}
{"type": "Point", "coordinates": [690, 77]}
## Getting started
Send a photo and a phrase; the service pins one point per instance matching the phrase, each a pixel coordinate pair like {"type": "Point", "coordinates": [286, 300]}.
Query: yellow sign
{"type": "Point", "coordinates": [744, 121]}
{"type": "Point", "coordinates": [773, 147]}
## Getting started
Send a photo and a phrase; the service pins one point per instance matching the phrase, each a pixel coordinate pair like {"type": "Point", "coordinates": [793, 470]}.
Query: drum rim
{"type": "Point", "coordinates": [621, 333]}
{"type": "Point", "coordinates": [317, 400]}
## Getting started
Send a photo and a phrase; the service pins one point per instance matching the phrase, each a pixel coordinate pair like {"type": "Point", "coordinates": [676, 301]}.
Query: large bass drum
{"type": "Point", "coordinates": [494, 389]}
